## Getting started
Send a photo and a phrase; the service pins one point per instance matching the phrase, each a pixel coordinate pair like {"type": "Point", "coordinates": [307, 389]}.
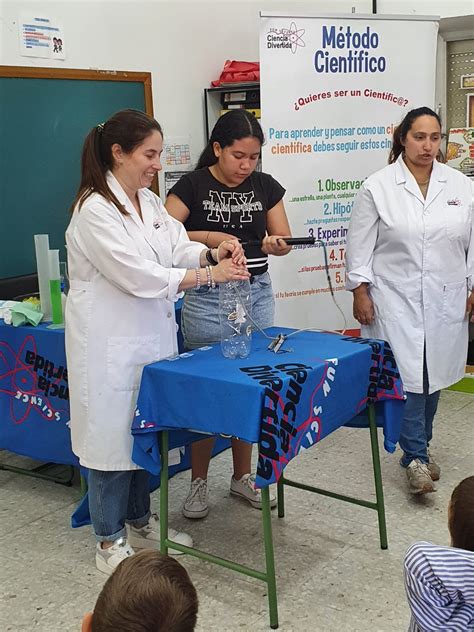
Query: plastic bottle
{"type": "Point", "coordinates": [235, 304]}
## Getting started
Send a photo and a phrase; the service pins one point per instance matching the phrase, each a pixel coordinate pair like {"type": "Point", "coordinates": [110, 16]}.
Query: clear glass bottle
{"type": "Point", "coordinates": [235, 305]}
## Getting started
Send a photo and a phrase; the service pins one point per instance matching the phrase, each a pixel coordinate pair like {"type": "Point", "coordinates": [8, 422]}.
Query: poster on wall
{"type": "Point", "coordinates": [460, 150]}
{"type": "Point", "coordinates": [40, 36]}
{"type": "Point", "coordinates": [332, 91]}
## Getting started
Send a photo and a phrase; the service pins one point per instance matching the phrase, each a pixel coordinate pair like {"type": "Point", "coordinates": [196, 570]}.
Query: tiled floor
{"type": "Point", "coordinates": [332, 574]}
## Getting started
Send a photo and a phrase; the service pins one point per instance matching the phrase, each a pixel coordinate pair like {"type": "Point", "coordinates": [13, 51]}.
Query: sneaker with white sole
{"type": "Point", "coordinates": [419, 478]}
{"type": "Point", "coordinates": [108, 559]}
{"type": "Point", "coordinates": [148, 537]}
{"type": "Point", "coordinates": [196, 504]}
{"type": "Point", "coordinates": [434, 468]}
{"type": "Point", "coordinates": [245, 488]}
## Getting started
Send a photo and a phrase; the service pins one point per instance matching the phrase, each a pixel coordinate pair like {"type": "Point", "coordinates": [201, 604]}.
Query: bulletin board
{"type": "Point", "coordinates": [45, 115]}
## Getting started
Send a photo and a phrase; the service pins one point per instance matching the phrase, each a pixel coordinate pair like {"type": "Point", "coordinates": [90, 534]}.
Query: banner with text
{"type": "Point", "coordinates": [332, 91]}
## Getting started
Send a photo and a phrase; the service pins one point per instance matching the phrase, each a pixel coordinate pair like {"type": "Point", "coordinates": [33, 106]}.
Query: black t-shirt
{"type": "Point", "coordinates": [240, 211]}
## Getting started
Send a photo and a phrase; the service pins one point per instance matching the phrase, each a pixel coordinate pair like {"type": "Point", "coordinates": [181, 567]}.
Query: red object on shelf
{"type": "Point", "coordinates": [238, 72]}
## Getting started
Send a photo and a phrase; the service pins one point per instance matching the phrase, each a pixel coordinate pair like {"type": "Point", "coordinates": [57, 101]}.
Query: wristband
{"type": "Point", "coordinates": [210, 258]}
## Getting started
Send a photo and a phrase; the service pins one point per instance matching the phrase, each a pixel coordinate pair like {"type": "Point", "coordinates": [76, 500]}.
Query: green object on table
{"type": "Point", "coordinates": [56, 304]}
{"type": "Point", "coordinates": [26, 314]}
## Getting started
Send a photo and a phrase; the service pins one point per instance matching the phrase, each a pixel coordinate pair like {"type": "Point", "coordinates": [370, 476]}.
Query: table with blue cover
{"type": "Point", "coordinates": [284, 402]}
{"type": "Point", "coordinates": [34, 397]}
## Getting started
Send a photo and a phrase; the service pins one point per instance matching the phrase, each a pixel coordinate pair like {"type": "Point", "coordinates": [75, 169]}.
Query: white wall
{"type": "Point", "coordinates": [175, 40]}
{"type": "Point", "coordinates": [443, 8]}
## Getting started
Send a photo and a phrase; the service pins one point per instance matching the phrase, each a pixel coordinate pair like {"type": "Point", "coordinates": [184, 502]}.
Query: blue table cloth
{"type": "Point", "coordinates": [285, 402]}
{"type": "Point", "coordinates": [34, 394]}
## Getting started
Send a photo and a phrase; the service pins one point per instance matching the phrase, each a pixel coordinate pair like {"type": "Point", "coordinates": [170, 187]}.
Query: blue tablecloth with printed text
{"type": "Point", "coordinates": [34, 394]}
{"type": "Point", "coordinates": [285, 402]}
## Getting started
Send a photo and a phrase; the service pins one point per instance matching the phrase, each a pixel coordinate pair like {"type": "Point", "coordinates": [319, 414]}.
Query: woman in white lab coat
{"type": "Point", "coordinates": [409, 265]}
{"type": "Point", "coordinates": [129, 262]}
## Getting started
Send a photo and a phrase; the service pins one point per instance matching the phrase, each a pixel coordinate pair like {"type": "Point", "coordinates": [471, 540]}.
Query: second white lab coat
{"type": "Point", "coordinates": [120, 315]}
{"type": "Point", "coordinates": [416, 255]}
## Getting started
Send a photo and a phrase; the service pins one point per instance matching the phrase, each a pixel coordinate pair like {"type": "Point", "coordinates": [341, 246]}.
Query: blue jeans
{"type": "Point", "coordinates": [116, 498]}
{"type": "Point", "coordinates": [417, 425]}
{"type": "Point", "coordinates": [200, 314]}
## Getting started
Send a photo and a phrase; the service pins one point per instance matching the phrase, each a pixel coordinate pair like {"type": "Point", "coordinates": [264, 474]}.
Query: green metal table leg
{"type": "Point", "coordinates": [164, 493]}
{"type": "Point", "coordinates": [377, 477]}
{"type": "Point", "coordinates": [269, 558]}
{"type": "Point", "coordinates": [281, 497]}
{"type": "Point", "coordinates": [38, 472]}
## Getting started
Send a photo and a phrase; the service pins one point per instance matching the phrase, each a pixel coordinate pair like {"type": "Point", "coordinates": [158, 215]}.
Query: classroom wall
{"type": "Point", "coordinates": [176, 41]}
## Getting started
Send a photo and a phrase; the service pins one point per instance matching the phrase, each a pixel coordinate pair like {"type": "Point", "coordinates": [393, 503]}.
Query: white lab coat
{"type": "Point", "coordinates": [124, 278]}
{"type": "Point", "coordinates": [417, 256]}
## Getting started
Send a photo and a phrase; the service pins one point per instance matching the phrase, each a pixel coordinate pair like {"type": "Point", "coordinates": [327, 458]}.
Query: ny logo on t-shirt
{"type": "Point", "coordinates": [222, 205]}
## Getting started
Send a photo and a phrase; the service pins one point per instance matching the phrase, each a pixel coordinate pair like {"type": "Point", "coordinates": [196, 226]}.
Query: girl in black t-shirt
{"type": "Point", "coordinates": [224, 199]}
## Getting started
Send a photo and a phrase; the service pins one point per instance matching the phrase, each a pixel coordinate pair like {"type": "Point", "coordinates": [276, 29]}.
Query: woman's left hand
{"type": "Point", "coordinates": [275, 245]}
{"type": "Point", "coordinates": [231, 248]}
{"type": "Point", "coordinates": [470, 304]}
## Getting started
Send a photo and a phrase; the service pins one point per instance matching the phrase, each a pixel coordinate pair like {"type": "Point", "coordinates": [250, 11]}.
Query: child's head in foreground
{"type": "Point", "coordinates": [461, 515]}
{"type": "Point", "coordinates": [148, 592]}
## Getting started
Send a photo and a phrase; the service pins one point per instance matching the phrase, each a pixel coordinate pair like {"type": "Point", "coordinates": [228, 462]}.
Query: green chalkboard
{"type": "Point", "coordinates": [45, 114]}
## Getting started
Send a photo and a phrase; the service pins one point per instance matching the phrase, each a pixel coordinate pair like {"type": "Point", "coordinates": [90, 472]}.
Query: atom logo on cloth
{"type": "Point", "coordinates": [31, 382]}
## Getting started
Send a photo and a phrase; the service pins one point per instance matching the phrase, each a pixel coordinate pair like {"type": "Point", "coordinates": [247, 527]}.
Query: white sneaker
{"type": "Point", "coordinates": [196, 503]}
{"type": "Point", "coordinates": [419, 478]}
{"type": "Point", "coordinates": [108, 559]}
{"type": "Point", "coordinates": [148, 537]}
{"type": "Point", "coordinates": [245, 488]}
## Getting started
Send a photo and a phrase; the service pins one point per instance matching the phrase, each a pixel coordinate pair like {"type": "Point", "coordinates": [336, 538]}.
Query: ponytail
{"type": "Point", "coordinates": [397, 147]}
{"type": "Point", "coordinates": [127, 128]}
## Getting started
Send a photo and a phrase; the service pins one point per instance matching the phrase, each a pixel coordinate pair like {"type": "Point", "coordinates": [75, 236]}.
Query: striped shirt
{"type": "Point", "coordinates": [439, 582]}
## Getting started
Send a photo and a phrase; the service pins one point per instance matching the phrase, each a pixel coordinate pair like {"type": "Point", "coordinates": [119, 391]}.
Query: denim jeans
{"type": "Point", "coordinates": [417, 425]}
{"type": "Point", "coordinates": [200, 314]}
{"type": "Point", "coordinates": [116, 498]}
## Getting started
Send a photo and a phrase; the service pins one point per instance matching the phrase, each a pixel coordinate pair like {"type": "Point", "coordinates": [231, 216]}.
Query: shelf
{"type": "Point", "coordinates": [213, 104]}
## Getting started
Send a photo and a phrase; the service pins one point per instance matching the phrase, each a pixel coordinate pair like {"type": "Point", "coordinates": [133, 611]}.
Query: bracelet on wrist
{"type": "Point", "coordinates": [209, 276]}
{"type": "Point", "coordinates": [197, 272]}
{"type": "Point", "coordinates": [210, 258]}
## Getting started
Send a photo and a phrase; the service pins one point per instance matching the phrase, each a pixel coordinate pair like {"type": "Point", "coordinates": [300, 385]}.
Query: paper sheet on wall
{"type": "Point", "coordinates": [171, 178]}
{"type": "Point", "coordinates": [177, 154]}
{"type": "Point", "coordinates": [41, 37]}
{"type": "Point", "coordinates": [460, 151]}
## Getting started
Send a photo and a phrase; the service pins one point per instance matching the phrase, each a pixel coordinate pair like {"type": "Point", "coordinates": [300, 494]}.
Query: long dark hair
{"type": "Point", "coordinates": [127, 128]}
{"type": "Point", "coordinates": [231, 126]}
{"type": "Point", "coordinates": [461, 515]}
{"type": "Point", "coordinates": [401, 131]}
